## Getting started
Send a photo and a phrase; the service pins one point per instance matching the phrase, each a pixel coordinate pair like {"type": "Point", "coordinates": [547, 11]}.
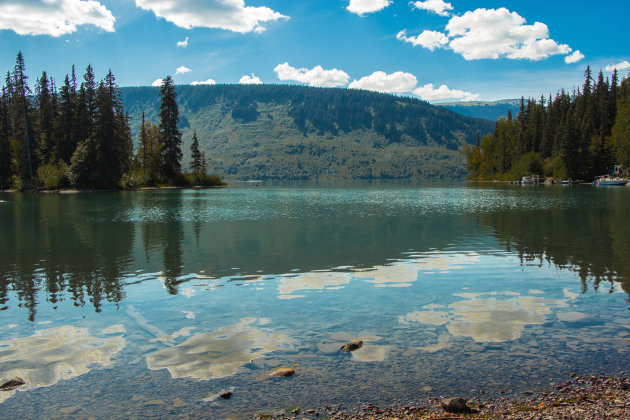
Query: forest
{"type": "Point", "coordinates": [577, 135]}
{"type": "Point", "coordinates": [79, 136]}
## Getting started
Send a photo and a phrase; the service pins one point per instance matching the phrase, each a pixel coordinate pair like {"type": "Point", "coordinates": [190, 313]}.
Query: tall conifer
{"type": "Point", "coordinates": [171, 136]}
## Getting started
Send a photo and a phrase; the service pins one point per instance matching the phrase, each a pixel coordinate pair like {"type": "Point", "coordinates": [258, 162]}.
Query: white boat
{"type": "Point", "coordinates": [608, 181]}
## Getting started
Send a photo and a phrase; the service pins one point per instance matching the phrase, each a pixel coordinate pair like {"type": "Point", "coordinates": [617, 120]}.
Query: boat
{"type": "Point", "coordinates": [606, 180]}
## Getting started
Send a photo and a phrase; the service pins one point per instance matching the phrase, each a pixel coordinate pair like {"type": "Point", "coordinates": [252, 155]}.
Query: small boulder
{"type": "Point", "coordinates": [283, 372]}
{"type": "Point", "coordinates": [226, 395]}
{"type": "Point", "coordinates": [12, 384]}
{"type": "Point", "coordinates": [456, 405]}
{"type": "Point", "coordinates": [352, 345]}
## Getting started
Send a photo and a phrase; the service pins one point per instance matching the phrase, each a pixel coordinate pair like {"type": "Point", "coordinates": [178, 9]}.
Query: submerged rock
{"type": "Point", "coordinates": [352, 345]}
{"type": "Point", "coordinates": [226, 395]}
{"type": "Point", "coordinates": [283, 372]}
{"type": "Point", "coordinates": [12, 384]}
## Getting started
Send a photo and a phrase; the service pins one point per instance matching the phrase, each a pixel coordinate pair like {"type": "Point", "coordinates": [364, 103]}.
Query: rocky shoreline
{"type": "Point", "coordinates": [580, 397]}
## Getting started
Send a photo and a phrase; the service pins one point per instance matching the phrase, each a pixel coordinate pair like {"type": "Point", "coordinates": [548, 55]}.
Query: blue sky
{"type": "Point", "coordinates": [436, 50]}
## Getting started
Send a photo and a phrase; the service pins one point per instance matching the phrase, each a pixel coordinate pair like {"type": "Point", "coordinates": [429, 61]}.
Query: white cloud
{"type": "Point", "coordinates": [380, 81]}
{"type": "Point", "coordinates": [231, 15]}
{"type": "Point", "coordinates": [429, 93]}
{"type": "Point", "coordinates": [206, 82]}
{"type": "Point", "coordinates": [496, 33]}
{"type": "Point", "coordinates": [361, 7]}
{"type": "Point", "coordinates": [491, 33]}
{"type": "Point", "coordinates": [183, 43]}
{"type": "Point", "coordinates": [250, 80]}
{"type": "Point", "coordinates": [574, 58]}
{"type": "Point", "coordinates": [317, 76]}
{"type": "Point", "coordinates": [53, 17]}
{"type": "Point", "coordinates": [436, 6]}
{"type": "Point", "coordinates": [428, 39]}
{"type": "Point", "coordinates": [157, 82]}
{"type": "Point", "coordinates": [182, 70]}
{"type": "Point", "coordinates": [620, 66]}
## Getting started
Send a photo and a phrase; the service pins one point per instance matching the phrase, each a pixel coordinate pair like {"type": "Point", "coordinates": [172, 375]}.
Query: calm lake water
{"type": "Point", "coordinates": [151, 303]}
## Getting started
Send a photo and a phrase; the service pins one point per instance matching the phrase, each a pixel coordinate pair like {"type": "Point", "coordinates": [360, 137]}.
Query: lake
{"type": "Point", "coordinates": [151, 303]}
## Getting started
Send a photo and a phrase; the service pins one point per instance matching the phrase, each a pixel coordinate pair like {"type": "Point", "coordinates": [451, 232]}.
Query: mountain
{"type": "Point", "coordinates": [487, 110]}
{"type": "Point", "coordinates": [297, 132]}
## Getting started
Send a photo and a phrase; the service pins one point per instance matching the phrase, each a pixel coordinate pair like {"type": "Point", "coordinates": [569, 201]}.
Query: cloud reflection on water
{"type": "Point", "coordinates": [219, 353]}
{"type": "Point", "coordinates": [56, 354]}
{"type": "Point", "coordinates": [488, 319]}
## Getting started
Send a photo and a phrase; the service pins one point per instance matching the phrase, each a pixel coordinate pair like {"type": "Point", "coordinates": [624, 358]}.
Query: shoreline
{"type": "Point", "coordinates": [580, 397]}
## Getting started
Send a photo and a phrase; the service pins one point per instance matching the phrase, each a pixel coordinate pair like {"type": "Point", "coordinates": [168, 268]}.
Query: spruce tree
{"type": "Point", "coordinates": [5, 142]}
{"type": "Point", "coordinates": [197, 164]}
{"type": "Point", "coordinates": [22, 122]}
{"type": "Point", "coordinates": [171, 136]}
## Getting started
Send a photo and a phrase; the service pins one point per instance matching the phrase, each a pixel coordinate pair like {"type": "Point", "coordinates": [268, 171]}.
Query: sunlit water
{"type": "Point", "coordinates": [151, 303]}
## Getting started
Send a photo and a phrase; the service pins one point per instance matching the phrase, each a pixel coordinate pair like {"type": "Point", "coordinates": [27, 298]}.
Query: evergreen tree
{"type": "Point", "coordinates": [197, 163]}
{"type": "Point", "coordinates": [86, 105]}
{"type": "Point", "coordinates": [5, 142]}
{"type": "Point", "coordinates": [112, 136]}
{"type": "Point", "coordinates": [171, 136]}
{"type": "Point", "coordinates": [46, 114]}
{"type": "Point", "coordinates": [65, 124]}
{"type": "Point", "coordinates": [22, 120]}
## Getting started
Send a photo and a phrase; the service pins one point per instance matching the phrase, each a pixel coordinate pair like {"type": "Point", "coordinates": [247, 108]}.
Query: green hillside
{"type": "Point", "coordinates": [487, 110]}
{"type": "Point", "coordinates": [295, 132]}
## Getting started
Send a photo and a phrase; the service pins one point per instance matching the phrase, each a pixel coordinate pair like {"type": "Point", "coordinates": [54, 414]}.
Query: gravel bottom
{"type": "Point", "coordinates": [579, 398]}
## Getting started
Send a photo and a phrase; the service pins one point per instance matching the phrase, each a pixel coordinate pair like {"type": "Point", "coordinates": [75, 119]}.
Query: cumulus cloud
{"type": "Point", "coordinates": [492, 34]}
{"type": "Point", "coordinates": [53, 17]}
{"type": "Point", "coordinates": [157, 82]}
{"type": "Point", "coordinates": [574, 58]}
{"type": "Point", "coordinates": [496, 33]}
{"type": "Point", "coordinates": [231, 15]}
{"type": "Point", "coordinates": [436, 6]}
{"type": "Point", "coordinates": [427, 39]}
{"type": "Point", "coordinates": [380, 81]}
{"type": "Point", "coordinates": [429, 93]}
{"type": "Point", "coordinates": [317, 76]}
{"type": "Point", "coordinates": [250, 80]}
{"type": "Point", "coordinates": [183, 43]}
{"type": "Point", "coordinates": [182, 70]}
{"type": "Point", "coordinates": [360, 7]}
{"type": "Point", "coordinates": [205, 82]}
{"type": "Point", "coordinates": [620, 66]}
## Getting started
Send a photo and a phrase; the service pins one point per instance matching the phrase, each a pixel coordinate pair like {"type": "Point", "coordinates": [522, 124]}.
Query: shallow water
{"type": "Point", "coordinates": [151, 303]}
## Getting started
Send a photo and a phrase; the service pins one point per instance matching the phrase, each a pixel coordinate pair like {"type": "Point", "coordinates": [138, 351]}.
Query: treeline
{"type": "Point", "coordinates": [79, 136]}
{"type": "Point", "coordinates": [572, 136]}
{"type": "Point", "coordinates": [332, 111]}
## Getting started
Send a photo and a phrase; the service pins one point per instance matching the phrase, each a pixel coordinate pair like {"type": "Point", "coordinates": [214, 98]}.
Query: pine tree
{"type": "Point", "coordinates": [86, 104]}
{"type": "Point", "coordinates": [22, 122]}
{"type": "Point", "coordinates": [5, 142]}
{"type": "Point", "coordinates": [65, 124]}
{"type": "Point", "coordinates": [46, 114]}
{"type": "Point", "coordinates": [171, 136]}
{"type": "Point", "coordinates": [197, 164]}
{"type": "Point", "coordinates": [111, 134]}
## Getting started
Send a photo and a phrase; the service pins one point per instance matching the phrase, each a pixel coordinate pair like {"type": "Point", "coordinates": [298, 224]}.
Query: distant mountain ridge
{"type": "Point", "coordinates": [486, 110]}
{"type": "Point", "coordinates": [297, 132]}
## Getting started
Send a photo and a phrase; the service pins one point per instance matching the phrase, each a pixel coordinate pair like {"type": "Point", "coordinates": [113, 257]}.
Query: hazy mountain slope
{"type": "Point", "coordinates": [487, 110]}
{"type": "Point", "coordinates": [295, 132]}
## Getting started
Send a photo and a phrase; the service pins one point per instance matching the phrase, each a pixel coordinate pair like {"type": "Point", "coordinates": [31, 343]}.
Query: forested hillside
{"type": "Point", "coordinates": [486, 110]}
{"type": "Point", "coordinates": [575, 135]}
{"type": "Point", "coordinates": [295, 132]}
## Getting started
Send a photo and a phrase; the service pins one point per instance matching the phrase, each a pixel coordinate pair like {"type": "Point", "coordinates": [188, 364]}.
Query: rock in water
{"type": "Point", "coordinates": [283, 372]}
{"type": "Point", "coordinates": [352, 345]}
{"type": "Point", "coordinates": [225, 395]}
{"type": "Point", "coordinates": [12, 384]}
{"type": "Point", "coordinates": [456, 405]}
